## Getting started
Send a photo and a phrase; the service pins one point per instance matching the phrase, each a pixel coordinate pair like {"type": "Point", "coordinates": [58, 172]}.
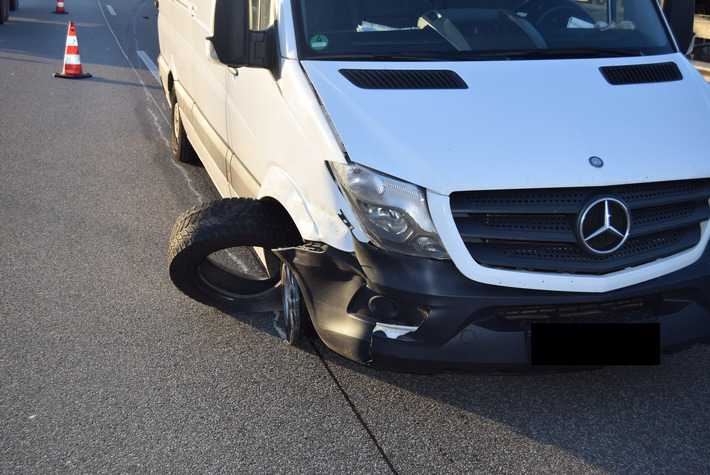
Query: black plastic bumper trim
{"type": "Point", "coordinates": [461, 329]}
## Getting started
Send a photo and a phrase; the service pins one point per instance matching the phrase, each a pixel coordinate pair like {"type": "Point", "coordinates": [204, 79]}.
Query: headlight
{"type": "Point", "coordinates": [393, 213]}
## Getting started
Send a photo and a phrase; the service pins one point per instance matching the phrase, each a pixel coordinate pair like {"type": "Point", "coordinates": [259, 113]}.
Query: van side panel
{"type": "Point", "coordinates": [278, 131]}
{"type": "Point", "coordinates": [174, 22]}
{"type": "Point", "coordinates": [209, 87]}
{"type": "Point", "coordinates": [196, 122]}
{"type": "Point", "coordinates": [257, 135]}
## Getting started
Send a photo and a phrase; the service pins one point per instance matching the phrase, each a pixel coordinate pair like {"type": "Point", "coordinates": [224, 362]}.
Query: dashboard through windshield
{"type": "Point", "coordinates": [479, 29]}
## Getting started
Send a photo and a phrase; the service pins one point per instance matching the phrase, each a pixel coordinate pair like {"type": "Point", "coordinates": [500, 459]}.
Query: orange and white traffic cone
{"type": "Point", "coordinates": [72, 60]}
{"type": "Point", "coordinates": [59, 10]}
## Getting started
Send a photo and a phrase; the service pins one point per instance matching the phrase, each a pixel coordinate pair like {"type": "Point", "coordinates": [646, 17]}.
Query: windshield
{"type": "Point", "coordinates": [479, 29]}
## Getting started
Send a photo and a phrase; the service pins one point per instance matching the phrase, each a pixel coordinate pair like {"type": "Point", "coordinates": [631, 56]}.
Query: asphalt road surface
{"type": "Point", "coordinates": [105, 367]}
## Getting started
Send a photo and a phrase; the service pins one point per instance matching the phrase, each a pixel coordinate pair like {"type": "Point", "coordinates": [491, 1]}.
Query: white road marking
{"type": "Point", "coordinates": [238, 262]}
{"type": "Point", "coordinates": [110, 9]}
{"type": "Point", "coordinates": [149, 64]}
{"type": "Point", "coordinates": [166, 140]}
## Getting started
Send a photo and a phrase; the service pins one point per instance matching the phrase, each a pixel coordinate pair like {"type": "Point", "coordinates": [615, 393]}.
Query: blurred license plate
{"type": "Point", "coordinates": [594, 344]}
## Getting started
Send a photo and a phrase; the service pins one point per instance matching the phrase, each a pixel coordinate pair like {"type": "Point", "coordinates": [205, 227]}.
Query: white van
{"type": "Point", "coordinates": [446, 183]}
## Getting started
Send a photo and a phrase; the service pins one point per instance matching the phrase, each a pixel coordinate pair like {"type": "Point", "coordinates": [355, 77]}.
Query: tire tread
{"type": "Point", "coordinates": [229, 222]}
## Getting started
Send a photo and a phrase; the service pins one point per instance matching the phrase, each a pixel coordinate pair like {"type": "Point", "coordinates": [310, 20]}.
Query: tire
{"type": "Point", "coordinates": [180, 145]}
{"type": "Point", "coordinates": [293, 318]}
{"type": "Point", "coordinates": [14, 5]}
{"type": "Point", "coordinates": [203, 231]}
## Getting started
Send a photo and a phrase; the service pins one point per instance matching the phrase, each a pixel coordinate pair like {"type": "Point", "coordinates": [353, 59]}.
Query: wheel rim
{"type": "Point", "coordinates": [176, 120]}
{"type": "Point", "coordinates": [291, 314]}
{"type": "Point", "coordinates": [235, 274]}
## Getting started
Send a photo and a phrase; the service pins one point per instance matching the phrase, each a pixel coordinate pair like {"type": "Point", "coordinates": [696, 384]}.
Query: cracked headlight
{"type": "Point", "coordinates": [393, 213]}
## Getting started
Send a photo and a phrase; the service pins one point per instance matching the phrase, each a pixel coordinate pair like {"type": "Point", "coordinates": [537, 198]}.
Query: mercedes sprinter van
{"type": "Point", "coordinates": [446, 183]}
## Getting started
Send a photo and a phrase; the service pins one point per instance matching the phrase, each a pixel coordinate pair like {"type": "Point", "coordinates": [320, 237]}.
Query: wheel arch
{"type": "Point", "coordinates": [170, 82]}
{"type": "Point", "coordinates": [167, 78]}
{"type": "Point", "coordinates": [279, 187]}
{"type": "Point", "coordinates": [313, 222]}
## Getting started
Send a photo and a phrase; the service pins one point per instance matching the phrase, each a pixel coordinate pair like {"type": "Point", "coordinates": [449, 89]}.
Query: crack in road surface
{"type": "Point", "coordinates": [354, 408]}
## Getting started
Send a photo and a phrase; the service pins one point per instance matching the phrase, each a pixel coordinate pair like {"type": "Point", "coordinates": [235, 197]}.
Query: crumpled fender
{"type": "Point", "coordinates": [319, 223]}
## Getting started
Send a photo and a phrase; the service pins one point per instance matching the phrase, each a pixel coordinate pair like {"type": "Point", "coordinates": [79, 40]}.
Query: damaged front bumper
{"type": "Point", "coordinates": [416, 314]}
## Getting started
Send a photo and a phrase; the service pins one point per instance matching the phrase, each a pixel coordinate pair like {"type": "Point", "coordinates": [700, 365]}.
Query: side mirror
{"type": "Point", "coordinates": [681, 17]}
{"type": "Point", "coordinates": [231, 32]}
{"type": "Point", "coordinates": [234, 43]}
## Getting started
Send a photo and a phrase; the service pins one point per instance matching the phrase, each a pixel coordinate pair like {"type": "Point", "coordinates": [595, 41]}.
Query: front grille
{"type": "Point", "coordinates": [629, 309]}
{"type": "Point", "coordinates": [535, 230]}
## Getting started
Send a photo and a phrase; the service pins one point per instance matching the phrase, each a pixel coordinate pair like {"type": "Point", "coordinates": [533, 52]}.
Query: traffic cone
{"type": "Point", "coordinates": [72, 60]}
{"type": "Point", "coordinates": [59, 10]}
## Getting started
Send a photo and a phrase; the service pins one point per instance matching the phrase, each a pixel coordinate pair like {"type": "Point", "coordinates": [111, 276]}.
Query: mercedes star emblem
{"type": "Point", "coordinates": [604, 226]}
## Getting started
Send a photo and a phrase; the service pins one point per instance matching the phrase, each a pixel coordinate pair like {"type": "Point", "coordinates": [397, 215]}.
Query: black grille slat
{"type": "Point", "coordinates": [664, 218]}
{"type": "Point", "coordinates": [570, 200]}
{"type": "Point", "coordinates": [549, 228]}
{"type": "Point", "coordinates": [571, 259]}
{"type": "Point", "coordinates": [535, 230]}
{"type": "Point", "coordinates": [404, 79]}
{"type": "Point", "coordinates": [641, 73]}
{"type": "Point", "coordinates": [634, 309]}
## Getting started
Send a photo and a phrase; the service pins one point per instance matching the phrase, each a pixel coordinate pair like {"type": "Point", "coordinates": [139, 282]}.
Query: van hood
{"type": "Point", "coordinates": [522, 124]}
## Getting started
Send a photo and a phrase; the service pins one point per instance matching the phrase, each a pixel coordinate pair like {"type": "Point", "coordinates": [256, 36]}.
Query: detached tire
{"type": "Point", "coordinates": [231, 223]}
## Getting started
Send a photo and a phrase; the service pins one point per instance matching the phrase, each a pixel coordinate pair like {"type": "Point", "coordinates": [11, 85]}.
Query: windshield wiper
{"type": "Point", "coordinates": [542, 53]}
{"type": "Point", "coordinates": [547, 53]}
{"type": "Point", "coordinates": [380, 57]}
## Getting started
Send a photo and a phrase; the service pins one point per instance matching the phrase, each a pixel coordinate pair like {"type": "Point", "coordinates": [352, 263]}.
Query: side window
{"type": "Point", "coordinates": [260, 15]}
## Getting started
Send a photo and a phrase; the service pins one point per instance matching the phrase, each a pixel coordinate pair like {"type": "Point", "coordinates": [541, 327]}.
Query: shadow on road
{"type": "Point", "coordinates": [124, 83]}
{"type": "Point", "coordinates": [611, 417]}
{"type": "Point", "coordinates": [641, 418]}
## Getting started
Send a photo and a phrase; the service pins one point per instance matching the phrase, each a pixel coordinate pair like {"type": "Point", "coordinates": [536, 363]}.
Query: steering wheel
{"type": "Point", "coordinates": [553, 15]}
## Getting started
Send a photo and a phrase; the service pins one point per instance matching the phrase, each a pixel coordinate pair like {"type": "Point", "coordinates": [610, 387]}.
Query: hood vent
{"type": "Point", "coordinates": [404, 79]}
{"type": "Point", "coordinates": [642, 73]}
